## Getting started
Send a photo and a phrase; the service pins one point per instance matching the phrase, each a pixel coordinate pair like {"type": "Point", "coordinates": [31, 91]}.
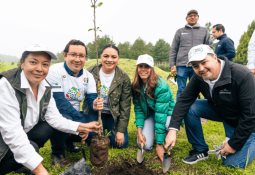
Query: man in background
{"type": "Point", "coordinates": [225, 47]}
{"type": "Point", "coordinates": [190, 35]}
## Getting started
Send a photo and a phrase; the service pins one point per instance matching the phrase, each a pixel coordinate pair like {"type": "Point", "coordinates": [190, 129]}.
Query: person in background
{"type": "Point", "coordinates": [153, 105]}
{"type": "Point", "coordinates": [225, 47]}
{"type": "Point", "coordinates": [28, 113]}
{"type": "Point", "coordinates": [228, 89]}
{"type": "Point", "coordinates": [72, 83]}
{"type": "Point", "coordinates": [185, 38]}
{"type": "Point", "coordinates": [251, 54]}
{"type": "Point", "coordinates": [115, 89]}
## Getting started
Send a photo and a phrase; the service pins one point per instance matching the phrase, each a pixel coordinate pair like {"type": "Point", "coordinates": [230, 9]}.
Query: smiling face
{"type": "Point", "coordinates": [35, 67]}
{"type": "Point", "coordinates": [109, 59]}
{"type": "Point", "coordinates": [75, 58]}
{"type": "Point", "coordinates": [144, 71]}
{"type": "Point", "coordinates": [208, 68]}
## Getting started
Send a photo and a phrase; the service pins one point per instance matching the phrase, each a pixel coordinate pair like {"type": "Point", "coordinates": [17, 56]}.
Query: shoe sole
{"type": "Point", "coordinates": [191, 163]}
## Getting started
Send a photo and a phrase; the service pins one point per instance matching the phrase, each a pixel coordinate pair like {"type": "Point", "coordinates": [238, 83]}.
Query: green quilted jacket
{"type": "Point", "coordinates": [163, 104]}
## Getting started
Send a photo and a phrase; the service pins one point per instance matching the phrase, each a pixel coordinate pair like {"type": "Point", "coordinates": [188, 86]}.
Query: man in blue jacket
{"type": "Point", "coordinates": [228, 89]}
{"type": "Point", "coordinates": [225, 47]}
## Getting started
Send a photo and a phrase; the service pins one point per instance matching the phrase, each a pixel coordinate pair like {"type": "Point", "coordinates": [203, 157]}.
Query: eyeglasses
{"type": "Point", "coordinates": [75, 55]}
{"type": "Point", "coordinates": [146, 66]}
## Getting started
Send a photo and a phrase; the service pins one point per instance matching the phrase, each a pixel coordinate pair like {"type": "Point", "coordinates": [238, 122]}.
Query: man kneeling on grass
{"type": "Point", "coordinates": [228, 89]}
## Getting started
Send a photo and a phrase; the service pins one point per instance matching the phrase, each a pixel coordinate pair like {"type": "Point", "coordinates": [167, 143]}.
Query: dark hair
{"type": "Point", "coordinates": [25, 55]}
{"type": "Point", "coordinates": [219, 27]}
{"type": "Point", "coordinates": [152, 82]}
{"type": "Point", "coordinates": [110, 46]}
{"type": "Point", "coordinates": [74, 42]}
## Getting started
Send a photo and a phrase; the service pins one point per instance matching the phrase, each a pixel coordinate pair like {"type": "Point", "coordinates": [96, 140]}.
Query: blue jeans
{"type": "Point", "coordinates": [201, 108]}
{"type": "Point", "coordinates": [183, 74]}
{"type": "Point", "coordinates": [109, 126]}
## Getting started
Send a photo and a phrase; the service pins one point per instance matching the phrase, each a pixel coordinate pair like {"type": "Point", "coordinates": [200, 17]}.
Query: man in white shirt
{"type": "Point", "coordinates": [28, 113]}
{"type": "Point", "coordinates": [251, 54]}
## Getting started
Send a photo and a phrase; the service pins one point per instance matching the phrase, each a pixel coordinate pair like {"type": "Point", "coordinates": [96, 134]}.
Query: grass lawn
{"type": "Point", "coordinates": [214, 134]}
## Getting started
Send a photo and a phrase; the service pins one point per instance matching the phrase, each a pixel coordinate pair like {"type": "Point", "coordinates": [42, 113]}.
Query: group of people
{"type": "Point", "coordinates": [41, 102]}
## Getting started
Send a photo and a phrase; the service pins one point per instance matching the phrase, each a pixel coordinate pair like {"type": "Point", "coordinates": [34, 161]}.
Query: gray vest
{"type": "Point", "coordinates": [13, 76]}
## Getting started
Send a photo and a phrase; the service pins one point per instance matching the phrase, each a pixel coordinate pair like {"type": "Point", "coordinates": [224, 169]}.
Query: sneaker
{"type": "Point", "coordinates": [59, 159]}
{"type": "Point", "coordinates": [195, 156]}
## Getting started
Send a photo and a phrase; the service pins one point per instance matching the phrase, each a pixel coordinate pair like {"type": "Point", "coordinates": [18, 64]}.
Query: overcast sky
{"type": "Point", "coordinates": [54, 22]}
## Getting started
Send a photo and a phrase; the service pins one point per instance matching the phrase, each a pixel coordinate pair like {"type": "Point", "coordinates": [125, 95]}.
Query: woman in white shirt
{"type": "Point", "coordinates": [28, 113]}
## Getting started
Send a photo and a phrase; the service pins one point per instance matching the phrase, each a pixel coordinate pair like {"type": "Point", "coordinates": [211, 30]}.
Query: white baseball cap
{"type": "Point", "coordinates": [146, 59]}
{"type": "Point", "coordinates": [199, 52]}
{"type": "Point", "coordinates": [39, 48]}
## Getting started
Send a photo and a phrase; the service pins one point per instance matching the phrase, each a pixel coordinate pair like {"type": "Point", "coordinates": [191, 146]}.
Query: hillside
{"type": "Point", "coordinates": [8, 58]}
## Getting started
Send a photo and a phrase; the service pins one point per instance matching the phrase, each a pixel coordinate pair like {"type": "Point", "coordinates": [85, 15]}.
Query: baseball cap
{"type": "Point", "coordinates": [38, 48]}
{"type": "Point", "coordinates": [147, 59]}
{"type": "Point", "coordinates": [192, 11]}
{"type": "Point", "coordinates": [199, 52]}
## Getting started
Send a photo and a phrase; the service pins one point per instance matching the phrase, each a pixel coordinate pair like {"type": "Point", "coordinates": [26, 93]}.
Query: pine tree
{"type": "Point", "coordinates": [241, 54]}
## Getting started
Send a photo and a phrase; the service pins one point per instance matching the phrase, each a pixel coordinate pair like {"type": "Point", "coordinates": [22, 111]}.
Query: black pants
{"type": "Point", "coordinates": [59, 140]}
{"type": "Point", "coordinates": [38, 136]}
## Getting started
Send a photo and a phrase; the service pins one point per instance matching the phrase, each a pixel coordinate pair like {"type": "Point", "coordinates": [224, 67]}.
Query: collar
{"type": "Point", "coordinates": [195, 26]}
{"type": "Point", "coordinates": [24, 84]}
{"type": "Point", "coordinates": [221, 68]}
{"type": "Point", "coordinates": [222, 36]}
{"type": "Point", "coordinates": [71, 72]}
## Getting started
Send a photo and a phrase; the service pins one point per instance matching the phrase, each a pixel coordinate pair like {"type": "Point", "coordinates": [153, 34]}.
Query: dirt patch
{"type": "Point", "coordinates": [124, 167]}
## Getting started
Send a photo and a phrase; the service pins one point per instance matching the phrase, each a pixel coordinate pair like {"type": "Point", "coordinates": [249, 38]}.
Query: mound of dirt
{"type": "Point", "coordinates": [125, 167]}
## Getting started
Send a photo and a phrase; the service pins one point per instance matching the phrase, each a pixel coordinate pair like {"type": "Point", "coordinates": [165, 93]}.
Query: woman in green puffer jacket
{"type": "Point", "coordinates": [153, 105]}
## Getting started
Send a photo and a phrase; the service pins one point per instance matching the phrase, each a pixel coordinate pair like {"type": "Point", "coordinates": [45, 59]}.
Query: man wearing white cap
{"type": "Point", "coordinates": [28, 113]}
{"type": "Point", "coordinates": [228, 89]}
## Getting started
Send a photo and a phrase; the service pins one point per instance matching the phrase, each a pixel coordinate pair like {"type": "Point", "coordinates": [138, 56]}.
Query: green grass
{"type": "Point", "coordinates": [214, 134]}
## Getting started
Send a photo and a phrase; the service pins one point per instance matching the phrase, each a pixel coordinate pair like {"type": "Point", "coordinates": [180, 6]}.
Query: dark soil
{"type": "Point", "coordinates": [123, 167]}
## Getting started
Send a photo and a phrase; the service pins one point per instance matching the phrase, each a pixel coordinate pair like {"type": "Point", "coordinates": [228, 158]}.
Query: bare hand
{"type": "Point", "coordinates": [173, 70]}
{"type": "Point", "coordinates": [170, 139]}
{"type": "Point", "coordinates": [253, 71]}
{"type": "Point", "coordinates": [83, 136]}
{"type": "Point", "coordinates": [226, 149]}
{"type": "Point", "coordinates": [141, 138]}
{"type": "Point", "coordinates": [40, 170]}
{"type": "Point", "coordinates": [160, 151]}
{"type": "Point", "coordinates": [119, 138]}
{"type": "Point", "coordinates": [89, 127]}
{"type": "Point", "coordinates": [98, 104]}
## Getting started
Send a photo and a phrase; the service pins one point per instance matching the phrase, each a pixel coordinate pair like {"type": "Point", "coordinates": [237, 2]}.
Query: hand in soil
{"type": "Point", "coordinates": [160, 151]}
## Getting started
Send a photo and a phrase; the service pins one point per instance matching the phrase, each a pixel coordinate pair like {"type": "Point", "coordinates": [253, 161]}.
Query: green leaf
{"type": "Point", "coordinates": [99, 4]}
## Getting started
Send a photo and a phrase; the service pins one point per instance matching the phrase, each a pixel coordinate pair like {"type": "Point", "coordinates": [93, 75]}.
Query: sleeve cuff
{"type": "Point", "coordinates": [34, 161]}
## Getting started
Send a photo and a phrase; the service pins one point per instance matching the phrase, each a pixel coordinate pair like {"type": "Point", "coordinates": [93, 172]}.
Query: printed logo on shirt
{"type": "Point", "coordinates": [73, 94]}
{"type": "Point", "coordinates": [224, 91]}
{"type": "Point", "coordinates": [184, 33]}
